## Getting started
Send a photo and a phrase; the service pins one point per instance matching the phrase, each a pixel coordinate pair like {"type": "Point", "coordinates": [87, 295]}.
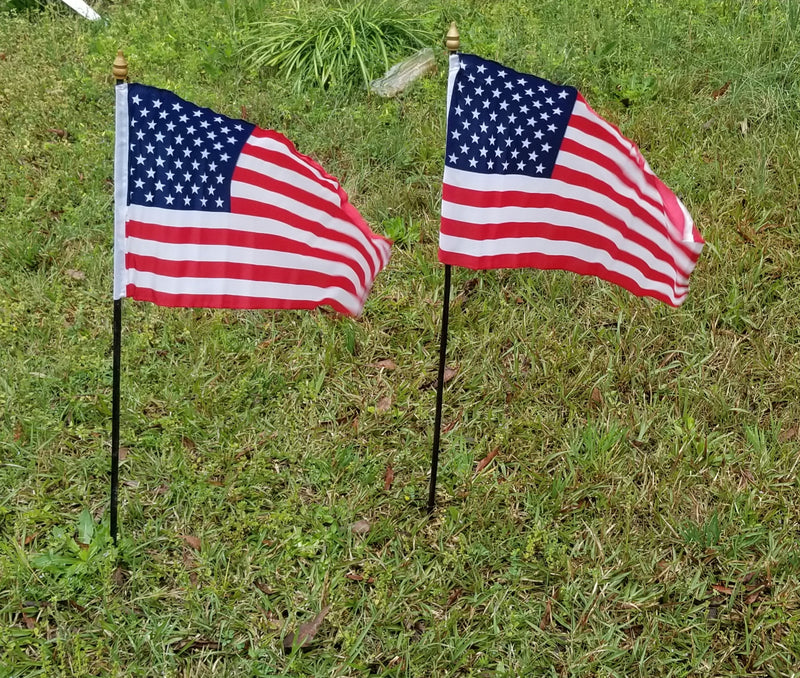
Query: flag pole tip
{"type": "Point", "coordinates": [453, 39]}
{"type": "Point", "coordinates": [120, 68]}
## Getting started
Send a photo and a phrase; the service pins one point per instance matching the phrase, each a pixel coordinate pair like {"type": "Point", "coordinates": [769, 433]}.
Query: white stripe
{"type": "Point", "coordinates": [627, 164]}
{"type": "Point", "coordinates": [277, 146]}
{"type": "Point", "coordinates": [240, 189]}
{"type": "Point", "coordinates": [488, 248]}
{"type": "Point", "coordinates": [120, 186]}
{"type": "Point", "coordinates": [278, 173]}
{"type": "Point", "coordinates": [499, 215]}
{"type": "Point", "coordinates": [241, 222]}
{"type": "Point", "coordinates": [233, 254]}
{"type": "Point", "coordinates": [242, 288]}
{"type": "Point", "coordinates": [585, 111]}
{"type": "Point", "coordinates": [569, 220]}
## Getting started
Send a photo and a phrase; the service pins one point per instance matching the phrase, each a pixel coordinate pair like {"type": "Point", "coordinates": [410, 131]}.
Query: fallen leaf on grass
{"type": "Point", "coordinates": [30, 538]}
{"type": "Point", "coordinates": [352, 576]}
{"type": "Point", "coordinates": [483, 463]}
{"type": "Point", "coordinates": [75, 274]}
{"type": "Point", "coordinates": [386, 364]}
{"type": "Point", "coordinates": [192, 541]}
{"type": "Point", "coordinates": [717, 93]}
{"type": "Point", "coordinates": [119, 576]}
{"type": "Point", "coordinates": [788, 434]}
{"type": "Point", "coordinates": [123, 453]}
{"type": "Point", "coordinates": [547, 617]}
{"type": "Point", "coordinates": [455, 594]}
{"type": "Point", "coordinates": [305, 632]}
{"type": "Point", "coordinates": [384, 404]}
{"type": "Point", "coordinates": [360, 527]}
{"type": "Point", "coordinates": [596, 397]}
{"type": "Point", "coordinates": [264, 588]}
{"type": "Point", "coordinates": [58, 132]}
{"type": "Point", "coordinates": [388, 478]}
{"type": "Point", "coordinates": [720, 588]}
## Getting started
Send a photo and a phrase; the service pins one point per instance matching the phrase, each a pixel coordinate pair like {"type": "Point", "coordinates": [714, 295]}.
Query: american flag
{"type": "Point", "coordinates": [216, 212]}
{"type": "Point", "coordinates": [535, 178]}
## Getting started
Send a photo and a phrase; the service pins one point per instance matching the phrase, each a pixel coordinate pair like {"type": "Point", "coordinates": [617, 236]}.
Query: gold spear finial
{"type": "Point", "coordinates": [453, 40]}
{"type": "Point", "coordinates": [120, 68]}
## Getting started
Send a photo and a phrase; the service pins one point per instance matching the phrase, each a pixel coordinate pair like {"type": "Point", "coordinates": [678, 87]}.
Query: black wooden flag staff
{"type": "Point", "coordinates": [452, 42]}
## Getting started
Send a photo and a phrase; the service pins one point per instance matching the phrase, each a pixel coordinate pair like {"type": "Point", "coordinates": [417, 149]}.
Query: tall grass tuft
{"type": "Point", "coordinates": [341, 45]}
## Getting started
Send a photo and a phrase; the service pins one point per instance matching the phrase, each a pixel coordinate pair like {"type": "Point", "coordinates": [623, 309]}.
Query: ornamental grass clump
{"type": "Point", "coordinates": [342, 45]}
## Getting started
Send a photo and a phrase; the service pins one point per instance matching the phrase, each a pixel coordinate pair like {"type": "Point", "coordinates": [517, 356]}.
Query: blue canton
{"type": "Point", "coordinates": [504, 122]}
{"type": "Point", "coordinates": [181, 156]}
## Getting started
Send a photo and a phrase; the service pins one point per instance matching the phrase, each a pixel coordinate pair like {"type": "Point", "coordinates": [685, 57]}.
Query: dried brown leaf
{"type": "Point", "coordinates": [75, 274]}
{"type": "Point", "coordinates": [384, 404]}
{"type": "Point", "coordinates": [192, 541]}
{"type": "Point", "coordinates": [717, 93]}
{"type": "Point", "coordinates": [788, 434]}
{"type": "Point", "coordinates": [596, 397]}
{"type": "Point", "coordinates": [58, 132]}
{"type": "Point", "coordinates": [360, 527]}
{"type": "Point", "coordinates": [386, 364]}
{"type": "Point", "coordinates": [30, 622]}
{"type": "Point", "coordinates": [305, 632]}
{"type": "Point", "coordinates": [483, 463]}
{"type": "Point", "coordinates": [264, 588]}
{"type": "Point", "coordinates": [720, 588]}
{"type": "Point", "coordinates": [547, 617]}
{"type": "Point", "coordinates": [388, 478]}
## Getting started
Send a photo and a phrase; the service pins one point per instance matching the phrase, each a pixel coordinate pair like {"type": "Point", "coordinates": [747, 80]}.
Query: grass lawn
{"type": "Point", "coordinates": [641, 516]}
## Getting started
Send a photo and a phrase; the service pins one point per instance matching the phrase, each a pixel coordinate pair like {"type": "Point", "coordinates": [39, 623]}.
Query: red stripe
{"type": "Point", "coordinates": [255, 208]}
{"type": "Point", "coordinates": [226, 301]}
{"type": "Point", "coordinates": [290, 164]}
{"type": "Point", "coordinates": [271, 183]}
{"type": "Point", "coordinates": [488, 199]}
{"type": "Point", "coordinates": [238, 271]}
{"type": "Point", "coordinates": [594, 156]}
{"type": "Point", "coordinates": [186, 235]}
{"type": "Point", "coordinates": [463, 229]}
{"type": "Point", "coordinates": [550, 262]}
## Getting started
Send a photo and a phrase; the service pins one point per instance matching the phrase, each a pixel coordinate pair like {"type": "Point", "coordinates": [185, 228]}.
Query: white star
{"type": "Point", "coordinates": [169, 150]}
{"type": "Point", "coordinates": [540, 168]}
{"type": "Point", "coordinates": [502, 74]}
{"type": "Point", "coordinates": [512, 118]}
{"type": "Point", "coordinates": [557, 111]}
{"type": "Point", "coordinates": [198, 113]}
{"type": "Point", "coordinates": [157, 103]}
{"type": "Point", "coordinates": [464, 148]}
{"type": "Point", "coordinates": [501, 128]}
{"type": "Point", "coordinates": [484, 127]}
{"type": "Point", "coordinates": [150, 148]}
{"type": "Point", "coordinates": [159, 137]}
{"type": "Point", "coordinates": [542, 88]}
{"type": "Point", "coordinates": [520, 165]}
{"type": "Point", "coordinates": [533, 155]}
{"type": "Point", "coordinates": [458, 110]}
{"type": "Point", "coordinates": [159, 186]}
{"type": "Point", "coordinates": [474, 138]}
{"type": "Point", "coordinates": [505, 165]}
{"type": "Point", "coordinates": [546, 148]}
{"type": "Point", "coordinates": [139, 135]}
{"type": "Point", "coordinates": [563, 94]}
{"type": "Point", "coordinates": [490, 164]}
{"type": "Point", "coordinates": [150, 173]}
{"type": "Point", "coordinates": [170, 175]}
{"type": "Point", "coordinates": [491, 140]}
{"type": "Point", "coordinates": [538, 134]}
{"type": "Point", "coordinates": [139, 183]}
{"type": "Point", "coordinates": [151, 124]}
{"type": "Point", "coordinates": [455, 134]}
{"type": "Point", "coordinates": [551, 128]}
{"type": "Point", "coordinates": [148, 197]}
{"type": "Point", "coordinates": [186, 200]}
{"type": "Point", "coordinates": [169, 199]}
{"type": "Point", "coordinates": [489, 79]}
{"type": "Point", "coordinates": [183, 118]}
{"type": "Point", "coordinates": [481, 68]}
{"type": "Point", "coordinates": [203, 201]}
{"type": "Point", "coordinates": [219, 202]}
{"type": "Point", "coordinates": [160, 161]}
{"type": "Point", "coordinates": [179, 188]}
{"type": "Point", "coordinates": [140, 160]}
{"type": "Point", "coordinates": [473, 162]}
{"type": "Point", "coordinates": [224, 157]}
{"type": "Point", "coordinates": [179, 140]}
{"type": "Point", "coordinates": [170, 126]}
{"type": "Point", "coordinates": [135, 99]}
{"type": "Point", "coordinates": [549, 101]}
{"type": "Point", "coordinates": [503, 105]}
{"type": "Point", "coordinates": [483, 152]}
{"type": "Point", "coordinates": [518, 130]}
{"type": "Point", "coordinates": [176, 107]}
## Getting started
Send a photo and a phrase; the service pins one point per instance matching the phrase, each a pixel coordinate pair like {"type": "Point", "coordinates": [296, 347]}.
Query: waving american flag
{"type": "Point", "coordinates": [216, 212]}
{"type": "Point", "coordinates": [535, 178]}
